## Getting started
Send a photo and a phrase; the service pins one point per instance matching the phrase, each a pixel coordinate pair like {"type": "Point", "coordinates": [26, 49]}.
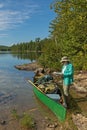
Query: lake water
{"type": "Point", "coordinates": [15, 91]}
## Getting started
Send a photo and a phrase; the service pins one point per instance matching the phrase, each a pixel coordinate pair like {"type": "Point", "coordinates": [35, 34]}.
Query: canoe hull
{"type": "Point", "coordinates": [55, 107]}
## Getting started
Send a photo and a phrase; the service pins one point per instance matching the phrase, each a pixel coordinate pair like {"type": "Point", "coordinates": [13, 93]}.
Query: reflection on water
{"type": "Point", "coordinates": [29, 55]}
{"type": "Point", "coordinates": [14, 88]}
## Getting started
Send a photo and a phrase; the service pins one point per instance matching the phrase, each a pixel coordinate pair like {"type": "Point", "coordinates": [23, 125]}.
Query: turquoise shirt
{"type": "Point", "coordinates": [68, 71]}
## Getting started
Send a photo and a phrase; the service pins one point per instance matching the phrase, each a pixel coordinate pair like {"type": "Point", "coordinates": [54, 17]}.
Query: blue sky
{"type": "Point", "coordinates": [24, 20]}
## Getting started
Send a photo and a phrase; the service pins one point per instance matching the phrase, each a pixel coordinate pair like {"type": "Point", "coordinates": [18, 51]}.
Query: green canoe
{"type": "Point", "coordinates": [56, 107]}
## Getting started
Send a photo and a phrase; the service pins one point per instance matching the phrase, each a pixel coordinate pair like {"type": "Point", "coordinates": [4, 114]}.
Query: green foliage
{"type": "Point", "coordinates": [69, 28]}
{"type": "Point", "coordinates": [35, 46]}
{"type": "Point", "coordinates": [27, 121]}
{"type": "Point", "coordinates": [15, 114]}
{"type": "Point", "coordinates": [50, 56]}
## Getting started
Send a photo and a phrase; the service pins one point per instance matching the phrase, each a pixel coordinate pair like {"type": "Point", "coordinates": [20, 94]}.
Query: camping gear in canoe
{"type": "Point", "coordinates": [50, 94]}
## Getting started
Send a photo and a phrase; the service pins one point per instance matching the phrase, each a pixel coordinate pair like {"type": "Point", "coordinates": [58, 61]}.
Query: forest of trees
{"type": "Point", "coordinates": [68, 36]}
{"type": "Point", "coordinates": [4, 48]}
{"type": "Point", "coordinates": [34, 46]}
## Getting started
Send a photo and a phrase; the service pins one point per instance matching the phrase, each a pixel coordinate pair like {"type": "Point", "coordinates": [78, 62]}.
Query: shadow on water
{"type": "Point", "coordinates": [6, 97]}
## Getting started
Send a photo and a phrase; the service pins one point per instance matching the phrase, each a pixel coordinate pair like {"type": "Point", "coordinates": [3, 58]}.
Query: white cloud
{"type": "Point", "coordinates": [15, 12]}
{"type": "Point", "coordinates": [1, 5]}
{"type": "Point", "coordinates": [3, 35]}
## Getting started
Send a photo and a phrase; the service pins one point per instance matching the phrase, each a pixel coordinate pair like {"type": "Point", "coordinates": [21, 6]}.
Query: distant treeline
{"type": "Point", "coordinates": [34, 46]}
{"type": "Point", "coordinates": [68, 36]}
{"type": "Point", "coordinates": [4, 48]}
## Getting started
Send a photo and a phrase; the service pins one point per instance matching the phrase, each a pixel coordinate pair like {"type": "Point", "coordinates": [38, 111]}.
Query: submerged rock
{"type": "Point", "coordinates": [2, 122]}
{"type": "Point", "coordinates": [31, 66]}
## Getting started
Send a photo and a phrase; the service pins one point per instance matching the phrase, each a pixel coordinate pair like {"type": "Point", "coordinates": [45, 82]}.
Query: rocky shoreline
{"type": "Point", "coordinates": [80, 83]}
{"type": "Point", "coordinates": [29, 67]}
